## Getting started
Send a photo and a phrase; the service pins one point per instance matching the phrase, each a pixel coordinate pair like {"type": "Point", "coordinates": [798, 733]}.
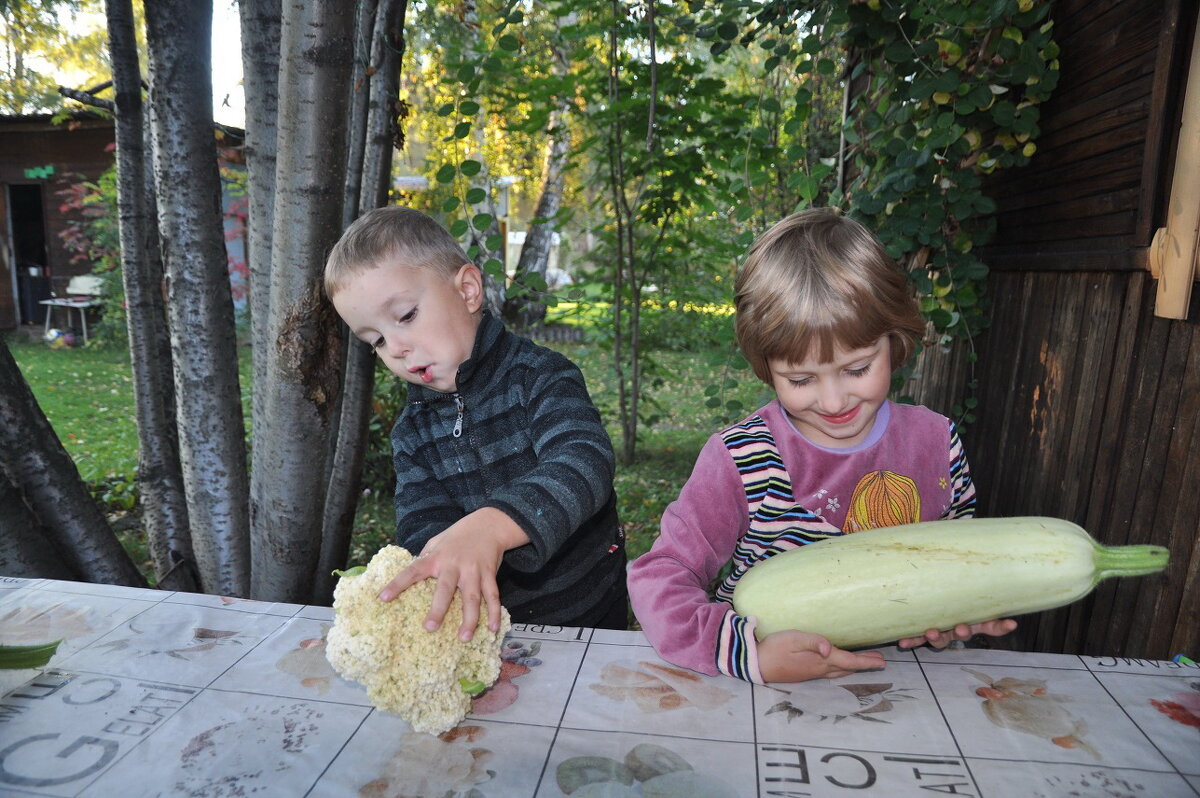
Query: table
{"type": "Point", "coordinates": [156, 693]}
{"type": "Point", "coordinates": [78, 303]}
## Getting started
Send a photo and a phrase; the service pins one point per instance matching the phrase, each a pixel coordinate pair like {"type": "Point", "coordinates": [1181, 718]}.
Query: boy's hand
{"type": "Point", "coordinates": [464, 557]}
{"type": "Point", "coordinates": [799, 656]}
{"type": "Point", "coordinates": [964, 632]}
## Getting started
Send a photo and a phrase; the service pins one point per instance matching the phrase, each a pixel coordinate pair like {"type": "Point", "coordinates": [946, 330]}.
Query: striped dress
{"type": "Point", "coordinates": [759, 488]}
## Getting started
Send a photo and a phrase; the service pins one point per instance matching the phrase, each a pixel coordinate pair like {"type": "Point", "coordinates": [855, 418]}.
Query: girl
{"type": "Point", "coordinates": [824, 317]}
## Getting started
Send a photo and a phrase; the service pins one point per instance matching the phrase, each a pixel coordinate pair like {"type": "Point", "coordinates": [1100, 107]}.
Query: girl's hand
{"type": "Point", "coordinates": [962, 632]}
{"type": "Point", "coordinates": [798, 656]}
{"type": "Point", "coordinates": [464, 557]}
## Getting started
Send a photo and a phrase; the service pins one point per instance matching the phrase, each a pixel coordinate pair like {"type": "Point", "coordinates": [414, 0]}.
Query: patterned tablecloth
{"type": "Point", "coordinates": [155, 693]}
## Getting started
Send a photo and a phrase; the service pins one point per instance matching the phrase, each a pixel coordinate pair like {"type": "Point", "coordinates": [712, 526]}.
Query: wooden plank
{"type": "Point", "coordinates": [1133, 481]}
{"type": "Point", "coordinates": [1170, 75]}
{"type": "Point", "coordinates": [1106, 225]}
{"type": "Point", "coordinates": [1046, 194]}
{"type": "Point", "coordinates": [1081, 206]}
{"type": "Point", "coordinates": [1053, 174]}
{"type": "Point", "coordinates": [1176, 515]}
{"type": "Point", "coordinates": [1105, 517]}
{"type": "Point", "coordinates": [1127, 41]}
{"type": "Point", "coordinates": [1062, 256]}
{"type": "Point", "coordinates": [1097, 332]}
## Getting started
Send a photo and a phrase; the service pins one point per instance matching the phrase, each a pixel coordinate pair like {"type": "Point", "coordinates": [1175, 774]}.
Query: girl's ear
{"type": "Point", "coordinates": [469, 284]}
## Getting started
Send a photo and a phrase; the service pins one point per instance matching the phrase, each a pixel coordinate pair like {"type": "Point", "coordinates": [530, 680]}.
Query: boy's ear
{"type": "Point", "coordinates": [469, 283]}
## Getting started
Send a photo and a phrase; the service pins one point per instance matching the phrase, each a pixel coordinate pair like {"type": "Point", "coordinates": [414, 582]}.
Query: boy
{"type": "Point", "coordinates": [504, 471]}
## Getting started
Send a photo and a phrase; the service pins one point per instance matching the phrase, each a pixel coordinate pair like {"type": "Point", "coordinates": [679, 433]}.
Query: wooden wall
{"type": "Point", "coordinates": [79, 146]}
{"type": "Point", "coordinates": [1089, 404]}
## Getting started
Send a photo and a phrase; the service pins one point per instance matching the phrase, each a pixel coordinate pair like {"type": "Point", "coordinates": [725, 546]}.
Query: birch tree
{"type": "Point", "coordinates": [44, 478]}
{"type": "Point", "coordinates": [304, 354]}
{"type": "Point", "coordinates": [375, 134]}
{"type": "Point", "coordinates": [202, 334]}
{"type": "Point", "coordinates": [160, 478]}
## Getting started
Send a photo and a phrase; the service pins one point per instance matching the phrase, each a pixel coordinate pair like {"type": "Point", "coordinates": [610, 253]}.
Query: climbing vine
{"type": "Point", "coordinates": [938, 94]}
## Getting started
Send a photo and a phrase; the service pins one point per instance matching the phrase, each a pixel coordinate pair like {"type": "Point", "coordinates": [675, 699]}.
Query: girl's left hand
{"type": "Point", "coordinates": [964, 632]}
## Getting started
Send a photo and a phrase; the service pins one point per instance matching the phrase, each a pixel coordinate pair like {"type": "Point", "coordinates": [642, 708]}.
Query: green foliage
{"type": "Point", "coordinates": [943, 92]}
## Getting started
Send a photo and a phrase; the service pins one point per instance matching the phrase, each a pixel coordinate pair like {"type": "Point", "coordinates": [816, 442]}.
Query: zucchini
{"type": "Point", "coordinates": [880, 585]}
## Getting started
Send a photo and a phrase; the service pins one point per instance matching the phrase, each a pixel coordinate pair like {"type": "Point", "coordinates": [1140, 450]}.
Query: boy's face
{"type": "Point", "coordinates": [834, 404]}
{"type": "Point", "coordinates": [420, 323]}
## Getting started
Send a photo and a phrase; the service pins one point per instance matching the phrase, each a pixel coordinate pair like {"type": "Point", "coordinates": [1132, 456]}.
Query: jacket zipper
{"type": "Point", "coordinates": [458, 402]}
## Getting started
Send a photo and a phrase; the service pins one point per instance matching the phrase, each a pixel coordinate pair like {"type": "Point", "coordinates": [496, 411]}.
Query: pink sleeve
{"type": "Point", "coordinates": [668, 585]}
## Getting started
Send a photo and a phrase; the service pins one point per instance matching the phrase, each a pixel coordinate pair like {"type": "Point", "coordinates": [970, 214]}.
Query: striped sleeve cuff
{"type": "Point", "coordinates": [737, 649]}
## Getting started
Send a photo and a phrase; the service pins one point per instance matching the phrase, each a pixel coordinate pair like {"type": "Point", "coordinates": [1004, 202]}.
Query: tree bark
{"type": "Point", "coordinates": [382, 136]}
{"type": "Point", "coordinates": [25, 550]}
{"type": "Point", "coordinates": [33, 461]}
{"type": "Point", "coordinates": [203, 344]}
{"type": "Point", "coordinates": [260, 20]}
{"type": "Point", "coordinates": [525, 311]}
{"type": "Point", "coordinates": [304, 359]}
{"type": "Point", "coordinates": [160, 476]}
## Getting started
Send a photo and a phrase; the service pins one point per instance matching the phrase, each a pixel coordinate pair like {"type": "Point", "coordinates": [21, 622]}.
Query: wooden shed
{"type": "Point", "coordinates": [1089, 402]}
{"type": "Point", "coordinates": [38, 159]}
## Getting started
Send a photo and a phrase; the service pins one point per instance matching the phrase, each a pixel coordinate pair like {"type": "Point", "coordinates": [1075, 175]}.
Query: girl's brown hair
{"type": "Point", "coordinates": [819, 280]}
{"type": "Point", "coordinates": [394, 235]}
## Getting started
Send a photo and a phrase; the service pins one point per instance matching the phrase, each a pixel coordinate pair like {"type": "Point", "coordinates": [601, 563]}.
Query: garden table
{"type": "Point", "coordinates": [163, 693]}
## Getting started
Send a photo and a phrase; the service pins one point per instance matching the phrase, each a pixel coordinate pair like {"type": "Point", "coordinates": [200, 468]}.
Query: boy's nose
{"type": "Point", "coordinates": [396, 348]}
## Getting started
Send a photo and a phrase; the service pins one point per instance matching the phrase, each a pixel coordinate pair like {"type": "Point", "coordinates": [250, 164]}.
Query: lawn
{"type": "Point", "coordinates": [87, 396]}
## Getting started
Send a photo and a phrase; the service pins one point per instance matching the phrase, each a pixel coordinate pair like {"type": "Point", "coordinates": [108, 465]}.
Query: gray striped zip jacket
{"type": "Point", "coordinates": [522, 435]}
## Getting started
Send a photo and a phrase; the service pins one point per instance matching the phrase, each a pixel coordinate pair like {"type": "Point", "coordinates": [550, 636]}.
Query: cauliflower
{"type": "Point", "coordinates": [422, 676]}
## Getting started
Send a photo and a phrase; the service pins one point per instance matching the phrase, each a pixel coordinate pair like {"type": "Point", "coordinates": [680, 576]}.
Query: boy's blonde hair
{"type": "Point", "coordinates": [394, 235]}
{"type": "Point", "coordinates": [817, 280]}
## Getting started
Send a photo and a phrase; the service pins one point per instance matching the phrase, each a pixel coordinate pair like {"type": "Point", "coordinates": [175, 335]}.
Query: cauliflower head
{"type": "Point", "coordinates": [406, 669]}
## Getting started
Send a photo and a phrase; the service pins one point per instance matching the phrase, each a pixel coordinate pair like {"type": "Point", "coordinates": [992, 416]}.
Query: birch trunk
{"type": "Point", "coordinates": [382, 135]}
{"type": "Point", "coordinates": [525, 311]}
{"type": "Point", "coordinates": [304, 359]}
{"type": "Point", "coordinates": [203, 345]}
{"type": "Point", "coordinates": [260, 20]}
{"type": "Point", "coordinates": [25, 550]}
{"type": "Point", "coordinates": [160, 477]}
{"type": "Point", "coordinates": [48, 484]}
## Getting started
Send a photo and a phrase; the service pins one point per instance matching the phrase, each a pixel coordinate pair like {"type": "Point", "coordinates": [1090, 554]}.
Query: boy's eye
{"type": "Point", "coordinates": [407, 317]}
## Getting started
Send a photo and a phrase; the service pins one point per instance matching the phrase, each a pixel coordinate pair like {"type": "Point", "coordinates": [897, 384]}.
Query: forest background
{"type": "Point", "coordinates": [653, 140]}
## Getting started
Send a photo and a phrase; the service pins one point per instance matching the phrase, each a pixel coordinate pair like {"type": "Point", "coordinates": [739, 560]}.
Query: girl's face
{"type": "Point", "coordinates": [420, 323]}
{"type": "Point", "coordinates": [834, 404]}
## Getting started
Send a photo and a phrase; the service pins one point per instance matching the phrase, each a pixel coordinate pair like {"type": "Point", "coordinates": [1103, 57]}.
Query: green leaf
{"type": "Point", "coordinates": [476, 196]}
{"type": "Point", "coordinates": [446, 109]}
{"type": "Point", "coordinates": [462, 130]}
{"type": "Point", "coordinates": [445, 174]}
{"type": "Point", "coordinates": [466, 73]}
{"type": "Point", "coordinates": [509, 42]}
{"type": "Point", "coordinates": [727, 30]}
{"type": "Point", "coordinates": [458, 227]}
{"type": "Point", "coordinates": [22, 657]}
{"type": "Point", "coordinates": [468, 108]}
{"type": "Point", "coordinates": [482, 221]}
{"type": "Point", "coordinates": [470, 168]}
{"type": "Point", "coordinates": [451, 204]}
{"type": "Point", "coordinates": [470, 687]}
{"type": "Point", "coordinates": [355, 571]}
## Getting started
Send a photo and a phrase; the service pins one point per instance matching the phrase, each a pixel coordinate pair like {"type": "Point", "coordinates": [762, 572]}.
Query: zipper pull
{"type": "Point", "coordinates": [458, 421]}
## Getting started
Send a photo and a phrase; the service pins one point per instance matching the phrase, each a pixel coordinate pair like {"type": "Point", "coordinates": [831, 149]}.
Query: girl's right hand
{"type": "Point", "coordinates": [792, 656]}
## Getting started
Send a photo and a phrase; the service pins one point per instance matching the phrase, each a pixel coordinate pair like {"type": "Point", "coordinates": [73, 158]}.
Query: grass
{"type": "Point", "coordinates": [87, 396]}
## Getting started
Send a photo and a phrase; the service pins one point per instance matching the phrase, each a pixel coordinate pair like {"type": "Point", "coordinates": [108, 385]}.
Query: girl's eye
{"type": "Point", "coordinates": [378, 343]}
{"type": "Point", "coordinates": [407, 317]}
{"type": "Point", "coordinates": [801, 382]}
{"type": "Point", "coordinates": [859, 372]}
